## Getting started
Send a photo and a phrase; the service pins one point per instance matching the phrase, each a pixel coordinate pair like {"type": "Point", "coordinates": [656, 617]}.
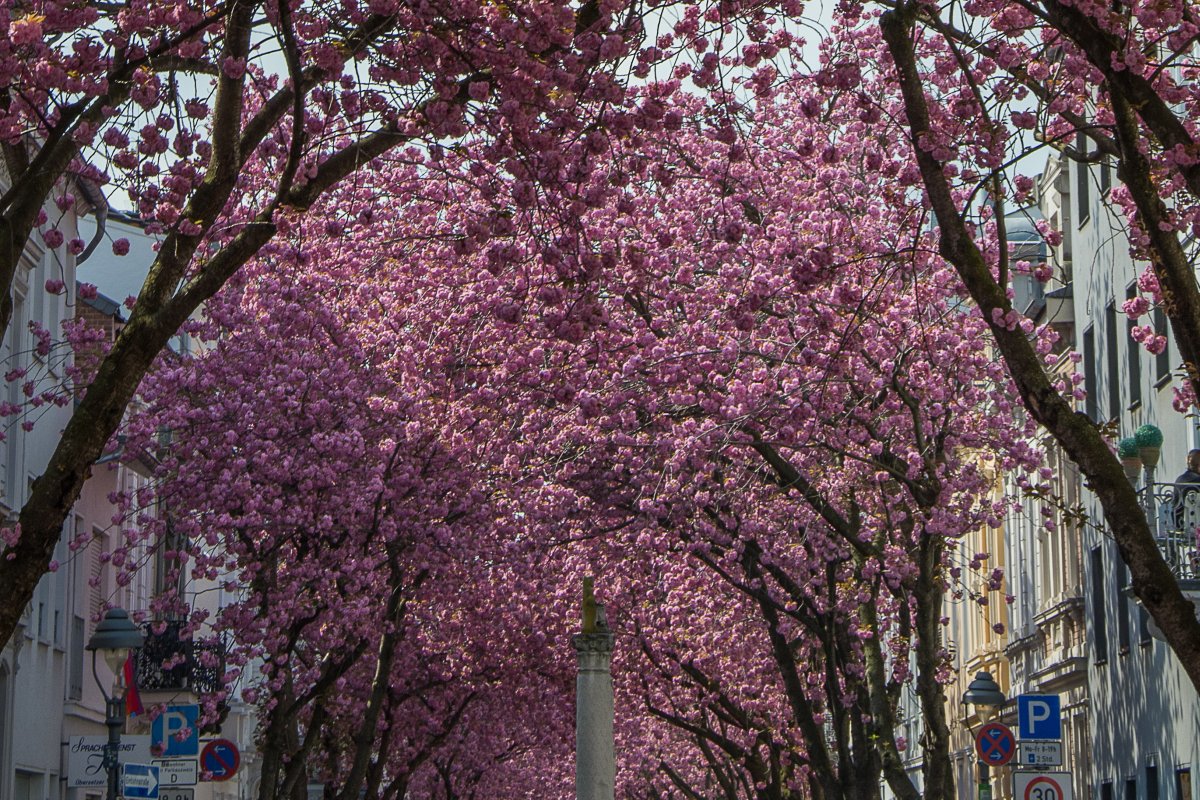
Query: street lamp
{"type": "Point", "coordinates": [985, 694]}
{"type": "Point", "coordinates": [114, 638]}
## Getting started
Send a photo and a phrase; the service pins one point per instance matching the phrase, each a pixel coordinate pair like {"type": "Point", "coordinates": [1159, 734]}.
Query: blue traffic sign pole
{"type": "Point", "coordinates": [985, 781]}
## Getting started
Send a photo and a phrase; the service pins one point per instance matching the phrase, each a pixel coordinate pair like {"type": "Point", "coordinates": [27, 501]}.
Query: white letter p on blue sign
{"type": "Point", "coordinates": [1040, 716]}
{"type": "Point", "coordinates": [175, 732]}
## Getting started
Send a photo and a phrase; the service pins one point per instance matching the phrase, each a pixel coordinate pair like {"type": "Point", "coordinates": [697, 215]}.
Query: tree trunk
{"type": "Point", "coordinates": [1153, 582]}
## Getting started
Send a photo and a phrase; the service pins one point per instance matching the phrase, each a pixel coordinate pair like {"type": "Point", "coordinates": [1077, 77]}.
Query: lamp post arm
{"type": "Point", "coordinates": [96, 677]}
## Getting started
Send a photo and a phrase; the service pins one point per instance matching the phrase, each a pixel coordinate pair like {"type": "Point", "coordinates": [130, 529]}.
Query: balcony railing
{"type": "Point", "coordinates": [167, 662]}
{"type": "Point", "coordinates": [1173, 510]}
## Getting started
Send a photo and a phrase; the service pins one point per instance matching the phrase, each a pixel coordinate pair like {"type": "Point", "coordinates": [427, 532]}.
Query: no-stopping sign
{"type": "Point", "coordinates": [220, 759]}
{"type": "Point", "coordinates": [1042, 786]}
{"type": "Point", "coordinates": [995, 744]}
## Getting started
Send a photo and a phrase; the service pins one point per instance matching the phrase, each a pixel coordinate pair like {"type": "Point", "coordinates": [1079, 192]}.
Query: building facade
{"type": "Point", "coordinates": [1130, 717]}
{"type": "Point", "coordinates": [1145, 716]}
{"type": "Point", "coordinates": [1046, 649]}
{"type": "Point", "coordinates": [51, 701]}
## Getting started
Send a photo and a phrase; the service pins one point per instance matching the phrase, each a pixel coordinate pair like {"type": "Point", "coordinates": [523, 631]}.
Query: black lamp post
{"type": "Point", "coordinates": [114, 638]}
{"type": "Point", "coordinates": [985, 694]}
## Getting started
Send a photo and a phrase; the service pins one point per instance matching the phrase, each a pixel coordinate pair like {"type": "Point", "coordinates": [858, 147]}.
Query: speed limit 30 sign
{"type": "Point", "coordinates": [1042, 786]}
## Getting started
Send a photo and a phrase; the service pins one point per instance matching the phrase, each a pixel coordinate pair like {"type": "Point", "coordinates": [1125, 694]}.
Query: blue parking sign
{"type": "Point", "coordinates": [1040, 716]}
{"type": "Point", "coordinates": [167, 729]}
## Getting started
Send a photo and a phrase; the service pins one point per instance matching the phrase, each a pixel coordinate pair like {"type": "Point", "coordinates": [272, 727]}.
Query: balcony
{"type": "Point", "coordinates": [1173, 511]}
{"type": "Point", "coordinates": [167, 662]}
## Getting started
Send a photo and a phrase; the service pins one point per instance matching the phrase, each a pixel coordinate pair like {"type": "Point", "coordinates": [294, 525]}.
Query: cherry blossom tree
{"type": "Point", "coordinates": [1099, 83]}
{"type": "Point", "coordinates": [739, 384]}
{"type": "Point", "coordinates": [746, 384]}
{"type": "Point", "coordinates": [225, 122]}
{"type": "Point", "coordinates": [729, 366]}
{"type": "Point", "coordinates": [384, 626]}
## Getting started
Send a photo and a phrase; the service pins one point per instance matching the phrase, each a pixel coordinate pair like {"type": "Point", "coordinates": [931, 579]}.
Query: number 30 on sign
{"type": "Point", "coordinates": [1042, 786]}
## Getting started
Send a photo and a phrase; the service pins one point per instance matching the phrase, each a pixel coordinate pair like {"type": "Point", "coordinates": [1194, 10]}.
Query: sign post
{"type": "Point", "coordinates": [1039, 718]}
{"type": "Point", "coordinates": [995, 746]}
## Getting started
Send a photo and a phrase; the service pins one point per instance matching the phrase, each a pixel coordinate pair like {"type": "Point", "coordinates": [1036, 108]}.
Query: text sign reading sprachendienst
{"type": "Point", "coordinates": [85, 759]}
{"type": "Point", "coordinates": [1032, 753]}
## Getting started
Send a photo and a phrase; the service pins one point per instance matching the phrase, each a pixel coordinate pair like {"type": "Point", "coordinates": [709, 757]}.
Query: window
{"type": "Point", "coordinates": [14, 356]}
{"type": "Point", "coordinates": [1183, 783]}
{"type": "Point", "coordinates": [1091, 404]}
{"type": "Point", "coordinates": [28, 785]}
{"type": "Point", "coordinates": [98, 589]}
{"type": "Point", "coordinates": [1151, 782]}
{"type": "Point", "coordinates": [1122, 607]}
{"type": "Point", "coordinates": [1106, 791]}
{"type": "Point", "coordinates": [1162, 361]}
{"type": "Point", "coordinates": [1099, 623]}
{"type": "Point", "coordinates": [1131, 788]}
{"type": "Point", "coordinates": [78, 629]}
{"type": "Point", "coordinates": [61, 585]}
{"type": "Point", "coordinates": [1135, 356]}
{"type": "Point", "coordinates": [49, 600]}
{"type": "Point", "coordinates": [1114, 361]}
{"type": "Point", "coordinates": [4, 734]}
{"type": "Point", "coordinates": [1082, 190]}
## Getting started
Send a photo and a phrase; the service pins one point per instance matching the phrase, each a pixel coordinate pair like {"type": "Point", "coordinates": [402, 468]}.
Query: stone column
{"type": "Point", "coordinates": [595, 766]}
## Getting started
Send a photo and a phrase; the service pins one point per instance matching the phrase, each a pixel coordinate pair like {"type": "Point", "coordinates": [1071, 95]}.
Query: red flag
{"type": "Point", "coordinates": [133, 700]}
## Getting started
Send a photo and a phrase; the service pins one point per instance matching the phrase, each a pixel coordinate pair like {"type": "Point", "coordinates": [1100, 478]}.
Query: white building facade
{"type": "Point", "coordinates": [49, 696]}
{"type": "Point", "coordinates": [1145, 716]}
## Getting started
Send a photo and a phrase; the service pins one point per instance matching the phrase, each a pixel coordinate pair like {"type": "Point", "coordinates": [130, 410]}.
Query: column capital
{"type": "Point", "coordinates": [594, 651]}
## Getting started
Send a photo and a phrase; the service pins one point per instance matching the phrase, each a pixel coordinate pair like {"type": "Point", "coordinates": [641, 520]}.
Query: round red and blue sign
{"type": "Point", "coordinates": [220, 759]}
{"type": "Point", "coordinates": [995, 744]}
